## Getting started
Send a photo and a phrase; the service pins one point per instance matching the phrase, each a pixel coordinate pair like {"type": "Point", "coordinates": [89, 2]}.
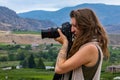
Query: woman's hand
{"type": "Point", "coordinates": [63, 51]}
{"type": "Point", "coordinates": [62, 39]}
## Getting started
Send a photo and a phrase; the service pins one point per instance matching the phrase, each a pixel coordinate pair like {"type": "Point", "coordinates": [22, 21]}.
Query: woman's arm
{"type": "Point", "coordinates": [84, 56]}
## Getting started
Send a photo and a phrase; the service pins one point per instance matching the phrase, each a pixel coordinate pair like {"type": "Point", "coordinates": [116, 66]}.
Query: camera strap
{"type": "Point", "coordinates": [70, 77]}
{"type": "Point", "coordinates": [70, 45]}
{"type": "Point", "coordinates": [60, 76]}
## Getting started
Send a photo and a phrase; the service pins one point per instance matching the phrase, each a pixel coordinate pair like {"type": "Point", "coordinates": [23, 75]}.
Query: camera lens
{"type": "Point", "coordinates": [53, 33]}
{"type": "Point", "coordinates": [50, 33]}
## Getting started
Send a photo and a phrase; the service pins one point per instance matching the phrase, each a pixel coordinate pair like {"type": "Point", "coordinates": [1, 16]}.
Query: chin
{"type": "Point", "coordinates": [74, 36]}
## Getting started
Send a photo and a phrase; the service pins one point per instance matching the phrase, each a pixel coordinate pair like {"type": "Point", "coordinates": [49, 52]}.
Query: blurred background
{"type": "Point", "coordinates": [25, 56]}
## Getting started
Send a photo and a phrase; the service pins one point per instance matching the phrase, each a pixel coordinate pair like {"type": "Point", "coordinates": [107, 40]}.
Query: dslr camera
{"type": "Point", "coordinates": [53, 33]}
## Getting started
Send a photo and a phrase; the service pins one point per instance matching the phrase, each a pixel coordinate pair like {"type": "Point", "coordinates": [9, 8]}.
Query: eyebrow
{"type": "Point", "coordinates": [74, 24]}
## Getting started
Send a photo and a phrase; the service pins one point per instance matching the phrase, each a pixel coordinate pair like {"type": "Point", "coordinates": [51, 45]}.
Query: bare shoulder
{"type": "Point", "coordinates": [90, 54]}
{"type": "Point", "coordinates": [89, 47]}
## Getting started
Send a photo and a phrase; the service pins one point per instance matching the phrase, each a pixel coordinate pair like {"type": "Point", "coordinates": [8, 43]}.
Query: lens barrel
{"type": "Point", "coordinates": [50, 33]}
{"type": "Point", "coordinates": [53, 33]}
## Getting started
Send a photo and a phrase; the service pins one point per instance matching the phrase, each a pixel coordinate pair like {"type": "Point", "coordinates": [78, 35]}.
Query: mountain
{"type": "Point", "coordinates": [108, 15]}
{"type": "Point", "coordinates": [9, 20]}
{"type": "Point", "coordinates": [38, 19]}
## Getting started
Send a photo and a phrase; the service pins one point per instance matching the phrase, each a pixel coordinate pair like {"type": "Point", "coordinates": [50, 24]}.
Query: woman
{"type": "Point", "coordinates": [89, 46]}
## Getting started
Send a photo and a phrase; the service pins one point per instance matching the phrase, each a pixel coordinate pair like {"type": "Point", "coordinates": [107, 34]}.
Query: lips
{"type": "Point", "coordinates": [74, 35]}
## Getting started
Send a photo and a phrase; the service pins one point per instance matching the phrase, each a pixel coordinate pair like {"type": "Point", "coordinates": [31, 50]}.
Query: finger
{"type": "Point", "coordinates": [59, 31]}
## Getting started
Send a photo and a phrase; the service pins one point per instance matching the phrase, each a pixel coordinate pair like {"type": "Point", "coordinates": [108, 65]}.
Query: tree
{"type": "Point", "coordinates": [3, 58]}
{"type": "Point", "coordinates": [11, 56]}
{"type": "Point", "coordinates": [20, 56]}
{"type": "Point", "coordinates": [31, 62]}
{"type": "Point", "coordinates": [40, 64]}
{"type": "Point", "coordinates": [24, 63]}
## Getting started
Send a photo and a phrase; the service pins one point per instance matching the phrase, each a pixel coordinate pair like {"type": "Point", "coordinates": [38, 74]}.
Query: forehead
{"type": "Point", "coordinates": [73, 21]}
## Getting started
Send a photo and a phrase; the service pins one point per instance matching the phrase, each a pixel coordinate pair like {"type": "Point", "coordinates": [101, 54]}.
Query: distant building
{"type": "Point", "coordinates": [113, 68]}
{"type": "Point", "coordinates": [49, 67]}
{"type": "Point", "coordinates": [117, 78]}
{"type": "Point", "coordinates": [7, 68]}
{"type": "Point", "coordinates": [34, 46]}
{"type": "Point", "coordinates": [18, 66]}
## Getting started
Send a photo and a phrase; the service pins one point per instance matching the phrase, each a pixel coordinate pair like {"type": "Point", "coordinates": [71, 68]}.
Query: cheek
{"type": "Point", "coordinates": [77, 31]}
{"type": "Point", "coordinates": [72, 29]}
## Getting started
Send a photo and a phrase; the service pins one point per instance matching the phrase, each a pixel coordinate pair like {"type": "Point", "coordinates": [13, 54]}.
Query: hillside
{"type": "Point", "coordinates": [9, 20]}
{"type": "Point", "coordinates": [10, 38]}
{"type": "Point", "coordinates": [38, 19]}
{"type": "Point", "coordinates": [114, 39]}
{"type": "Point", "coordinates": [107, 14]}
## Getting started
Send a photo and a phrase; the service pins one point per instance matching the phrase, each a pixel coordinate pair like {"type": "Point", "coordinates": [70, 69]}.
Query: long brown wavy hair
{"type": "Point", "coordinates": [90, 28]}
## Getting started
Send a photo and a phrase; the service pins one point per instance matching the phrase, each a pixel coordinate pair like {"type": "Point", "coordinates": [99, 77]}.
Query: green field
{"type": "Point", "coordinates": [47, 54]}
{"type": "Point", "coordinates": [37, 74]}
{"type": "Point", "coordinates": [109, 76]}
{"type": "Point", "coordinates": [26, 32]}
{"type": "Point", "coordinates": [9, 63]}
{"type": "Point", "coordinates": [26, 74]}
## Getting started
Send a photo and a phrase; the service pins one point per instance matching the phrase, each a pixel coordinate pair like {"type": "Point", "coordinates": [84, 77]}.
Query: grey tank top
{"type": "Point", "coordinates": [89, 72]}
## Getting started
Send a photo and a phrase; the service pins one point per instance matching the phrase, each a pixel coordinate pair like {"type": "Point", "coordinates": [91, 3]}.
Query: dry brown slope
{"type": "Point", "coordinates": [7, 37]}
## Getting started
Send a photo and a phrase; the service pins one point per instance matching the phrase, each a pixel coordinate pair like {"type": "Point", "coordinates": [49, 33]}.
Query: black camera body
{"type": "Point", "coordinates": [53, 33]}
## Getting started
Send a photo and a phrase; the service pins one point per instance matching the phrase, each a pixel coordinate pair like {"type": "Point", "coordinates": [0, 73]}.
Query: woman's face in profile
{"type": "Point", "coordinates": [74, 28]}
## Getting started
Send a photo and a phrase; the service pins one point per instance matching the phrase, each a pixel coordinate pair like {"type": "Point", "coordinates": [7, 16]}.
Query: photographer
{"type": "Point", "coordinates": [89, 46]}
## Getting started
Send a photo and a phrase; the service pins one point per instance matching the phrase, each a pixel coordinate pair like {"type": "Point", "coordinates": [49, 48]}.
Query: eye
{"type": "Point", "coordinates": [74, 25]}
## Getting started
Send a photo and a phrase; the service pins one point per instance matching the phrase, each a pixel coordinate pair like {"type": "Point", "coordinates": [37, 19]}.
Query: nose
{"type": "Point", "coordinates": [72, 30]}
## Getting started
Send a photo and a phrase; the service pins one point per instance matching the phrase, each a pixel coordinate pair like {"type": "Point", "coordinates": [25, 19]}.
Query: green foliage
{"type": "Point", "coordinates": [48, 63]}
{"type": "Point", "coordinates": [28, 62]}
{"type": "Point", "coordinates": [49, 52]}
{"type": "Point", "coordinates": [25, 32]}
{"type": "Point", "coordinates": [108, 75]}
{"type": "Point", "coordinates": [3, 58]}
{"type": "Point", "coordinates": [24, 63]}
{"type": "Point", "coordinates": [11, 57]}
{"type": "Point", "coordinates": [26, 74]}
{"type": "Point", "coordinates": [31, 62]}
{"type": "Point", "coordinates": [9, 63]}
{"type": "Point", "coordinates": [43, 55]}
{"type": "Point", "coordinates": [40, 64]}
{"type": "Point", "coordinates": [20, 56]}
{"type": "Point", "coordinates": [114, 54]}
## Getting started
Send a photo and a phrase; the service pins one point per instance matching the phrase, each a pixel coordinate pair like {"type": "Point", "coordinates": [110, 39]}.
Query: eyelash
{"type": "Point", "coordinates": [74, 25]}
